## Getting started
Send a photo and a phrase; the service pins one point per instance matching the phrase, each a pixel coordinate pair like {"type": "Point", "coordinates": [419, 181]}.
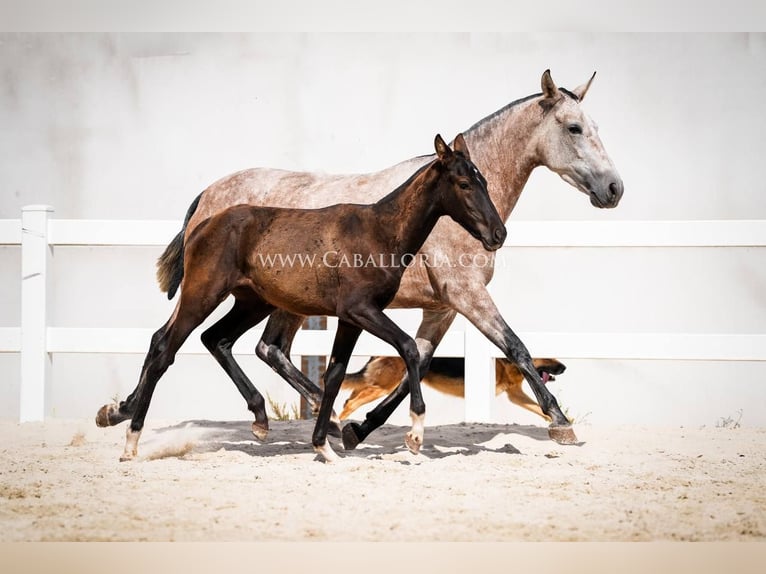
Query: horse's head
{"type": "Point", "coordinates": [464, 196]}
{"type": "Point", "coordinates": [569, 145]}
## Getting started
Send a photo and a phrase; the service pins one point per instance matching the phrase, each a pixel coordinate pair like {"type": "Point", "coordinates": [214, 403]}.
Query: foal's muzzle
{"type": "Point", "coordinates": [496, 239]}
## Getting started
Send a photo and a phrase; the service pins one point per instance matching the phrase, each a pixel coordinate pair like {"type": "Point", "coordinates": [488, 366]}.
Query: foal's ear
{"type": "Point", "coordinates": [580, 91]}
{"type": "Point", "coordinates": [548, 86]}
{"type": "Point", "coordinates": [461, 146]}
{"type": "Point", "coordinates": [442, 149]}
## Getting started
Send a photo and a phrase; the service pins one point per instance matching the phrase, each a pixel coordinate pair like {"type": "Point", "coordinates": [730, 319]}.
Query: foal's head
{"type": "Point", "coordinates": [462, 194]}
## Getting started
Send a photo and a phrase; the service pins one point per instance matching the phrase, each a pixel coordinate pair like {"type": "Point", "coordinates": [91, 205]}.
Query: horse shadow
{"type": "Point", "coordinates": [294, 437]}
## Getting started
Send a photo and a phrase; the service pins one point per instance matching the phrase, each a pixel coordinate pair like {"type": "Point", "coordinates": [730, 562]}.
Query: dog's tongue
{"type": "Point", "coordinates": [546, 377]}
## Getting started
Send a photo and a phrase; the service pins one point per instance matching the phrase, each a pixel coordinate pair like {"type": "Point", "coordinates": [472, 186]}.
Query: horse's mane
{"type": "Point", "coordinates": [515, 103]}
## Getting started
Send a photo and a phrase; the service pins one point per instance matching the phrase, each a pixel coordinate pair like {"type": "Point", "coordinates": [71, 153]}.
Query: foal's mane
{"type": "Point", "coordinates": [414, 176]}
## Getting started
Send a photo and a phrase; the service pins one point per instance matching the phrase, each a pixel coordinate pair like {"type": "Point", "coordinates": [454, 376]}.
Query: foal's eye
{"type": "Point", "coordinates": [575, 129]}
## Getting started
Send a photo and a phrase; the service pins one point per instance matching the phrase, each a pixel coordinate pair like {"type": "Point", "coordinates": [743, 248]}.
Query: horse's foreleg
{"type": "Point", "coordinates": [478, 307]}
{"type": "Point", "coordinates": [429, 335]}
{"type": "Point", "coordinates": [219, 340]}
{"type": "Point", "coordinates": [274, 350]}
{"type": "Point", "coordinates": [345, 339]}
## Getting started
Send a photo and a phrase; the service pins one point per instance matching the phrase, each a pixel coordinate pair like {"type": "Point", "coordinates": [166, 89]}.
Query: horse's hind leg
{"type": "Point", "coordinates": [345, 339]}
{"type": "Point", "coordinates": [219, 340]}
{"type": "Point", "coordinates": [274, 350]}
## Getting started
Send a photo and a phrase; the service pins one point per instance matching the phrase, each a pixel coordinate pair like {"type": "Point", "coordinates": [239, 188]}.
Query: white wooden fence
{"type": "Point", "coordinates": [36, 232]}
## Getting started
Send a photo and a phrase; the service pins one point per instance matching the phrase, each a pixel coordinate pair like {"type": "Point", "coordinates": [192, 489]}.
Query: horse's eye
{"type": "Point", "coordinates": [575, 129]}
{"type": "Point", "coordinates": [464, 185]}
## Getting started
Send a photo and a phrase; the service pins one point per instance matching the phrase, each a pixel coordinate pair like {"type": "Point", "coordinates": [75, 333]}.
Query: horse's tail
{"type": "Point", "coordinates": [170, 265]}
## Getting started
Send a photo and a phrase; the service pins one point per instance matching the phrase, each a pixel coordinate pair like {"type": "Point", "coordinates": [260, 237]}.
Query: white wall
{"type": "Point", "coordinates": [133, 126]}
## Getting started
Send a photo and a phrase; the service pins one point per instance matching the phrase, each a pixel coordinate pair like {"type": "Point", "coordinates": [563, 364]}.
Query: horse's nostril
{"type": "Point", "coordinates": [615, 191]}
{"type": "Point", "coordinates": [500, 235]}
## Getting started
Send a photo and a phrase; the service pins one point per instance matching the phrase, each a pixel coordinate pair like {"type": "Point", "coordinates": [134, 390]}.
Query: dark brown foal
{"type": "Point", "coordinates": [345, 260]}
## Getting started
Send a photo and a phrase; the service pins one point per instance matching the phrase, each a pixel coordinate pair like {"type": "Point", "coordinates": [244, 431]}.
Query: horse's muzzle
{"type": "Point", "coordinates": [608, 194]}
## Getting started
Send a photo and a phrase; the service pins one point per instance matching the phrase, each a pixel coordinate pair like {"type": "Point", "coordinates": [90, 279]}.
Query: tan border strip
{"type": "Point", "coordinates": [368, 558]}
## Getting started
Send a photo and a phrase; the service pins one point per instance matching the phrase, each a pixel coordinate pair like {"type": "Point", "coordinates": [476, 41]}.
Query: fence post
{"type": "Point", "coordinates": [35, 361]}
{"type": "Point", "coordinates": [312, 366]}
{"type": "Point", "coordinates": [479, 376]}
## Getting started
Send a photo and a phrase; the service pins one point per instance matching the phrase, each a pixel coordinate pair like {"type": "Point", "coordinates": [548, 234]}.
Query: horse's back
{"type": "Point", "coordinates": [307, 190]}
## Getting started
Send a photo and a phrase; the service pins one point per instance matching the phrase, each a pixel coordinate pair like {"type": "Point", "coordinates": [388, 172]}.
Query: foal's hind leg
{"type": "Point", "coordinates": [219, 339]}
{"type": "Point", "coordinates": [274, 350]}
{"type": "Point", "coordinates": [162, 351]}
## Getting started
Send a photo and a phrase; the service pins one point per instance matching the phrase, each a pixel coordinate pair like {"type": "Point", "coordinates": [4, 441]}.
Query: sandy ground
{"type": "Point", "coordinates": [205, 480]}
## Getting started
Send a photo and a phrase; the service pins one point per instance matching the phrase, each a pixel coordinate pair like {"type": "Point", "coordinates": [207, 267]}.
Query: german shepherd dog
{"type": "Point", "coordinates": [381, 375]}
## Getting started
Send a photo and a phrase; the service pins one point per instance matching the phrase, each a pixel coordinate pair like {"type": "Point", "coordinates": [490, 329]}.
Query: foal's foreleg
{"type": "Point", "coordinates": [219, 340]}
{"type": "Point", "coordinates": [429, 335]}
{"type": "Point", "coordinates": [345, 339]}
{"type": "Point", "coordinates": [374, 321]}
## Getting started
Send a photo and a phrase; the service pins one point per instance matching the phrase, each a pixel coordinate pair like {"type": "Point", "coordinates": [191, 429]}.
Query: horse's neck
{"type": "Point", "coordinates": [408, 214]}
{"type": "Point", "coordinates": [502, 148]}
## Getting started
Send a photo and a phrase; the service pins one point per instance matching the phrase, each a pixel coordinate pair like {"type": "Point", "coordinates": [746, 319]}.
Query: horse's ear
{"type": "Point", "coordinates": [549, 87]}
{"type": "Point", "coordinates": [580, 91]}
{"type": "Point", "coordinates": [442, 149]}
{"type": "Point", "coordinates": [461, 146]}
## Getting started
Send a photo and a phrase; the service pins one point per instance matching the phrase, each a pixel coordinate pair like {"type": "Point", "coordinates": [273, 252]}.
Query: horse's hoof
{"type": "Point", "coordinates": [102, 416]}
{"type": "Point", "coordinates": [260, 432]}
{"type": "Point", "coordinates": [562, 434]}
{"type": "Point", "coordinates": [413, 442]}
{"type": "Point", "coordinates": [350, 437]}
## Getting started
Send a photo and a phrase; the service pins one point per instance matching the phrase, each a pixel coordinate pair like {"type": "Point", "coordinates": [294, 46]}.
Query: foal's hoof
{"type": "Point", "coordinates": [413, 442]}
{"type": "Point", "coordinates": [562, 434]}
{"type": "Point", "coordinates": [260, 432]}
{"type": "Point", "coordinates": [327, 453]}
{"type": "Point", "coordinates": [350, 436]}
{"type": "Point", "coordinates": [102, 416]}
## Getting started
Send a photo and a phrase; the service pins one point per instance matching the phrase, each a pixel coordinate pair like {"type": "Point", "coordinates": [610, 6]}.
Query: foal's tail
{"type": "Point", "coordinates": [170, 265]}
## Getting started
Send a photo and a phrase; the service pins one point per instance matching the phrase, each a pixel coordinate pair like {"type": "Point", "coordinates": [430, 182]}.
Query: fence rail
{"type": "Point", "coordinates": [36, 232]}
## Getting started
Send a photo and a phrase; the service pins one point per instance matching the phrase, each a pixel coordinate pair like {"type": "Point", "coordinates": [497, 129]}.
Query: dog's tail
{"type": "Point", "coordinates": [357, 380]}
{"type": "Point", "coordinates": [170, 265]}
